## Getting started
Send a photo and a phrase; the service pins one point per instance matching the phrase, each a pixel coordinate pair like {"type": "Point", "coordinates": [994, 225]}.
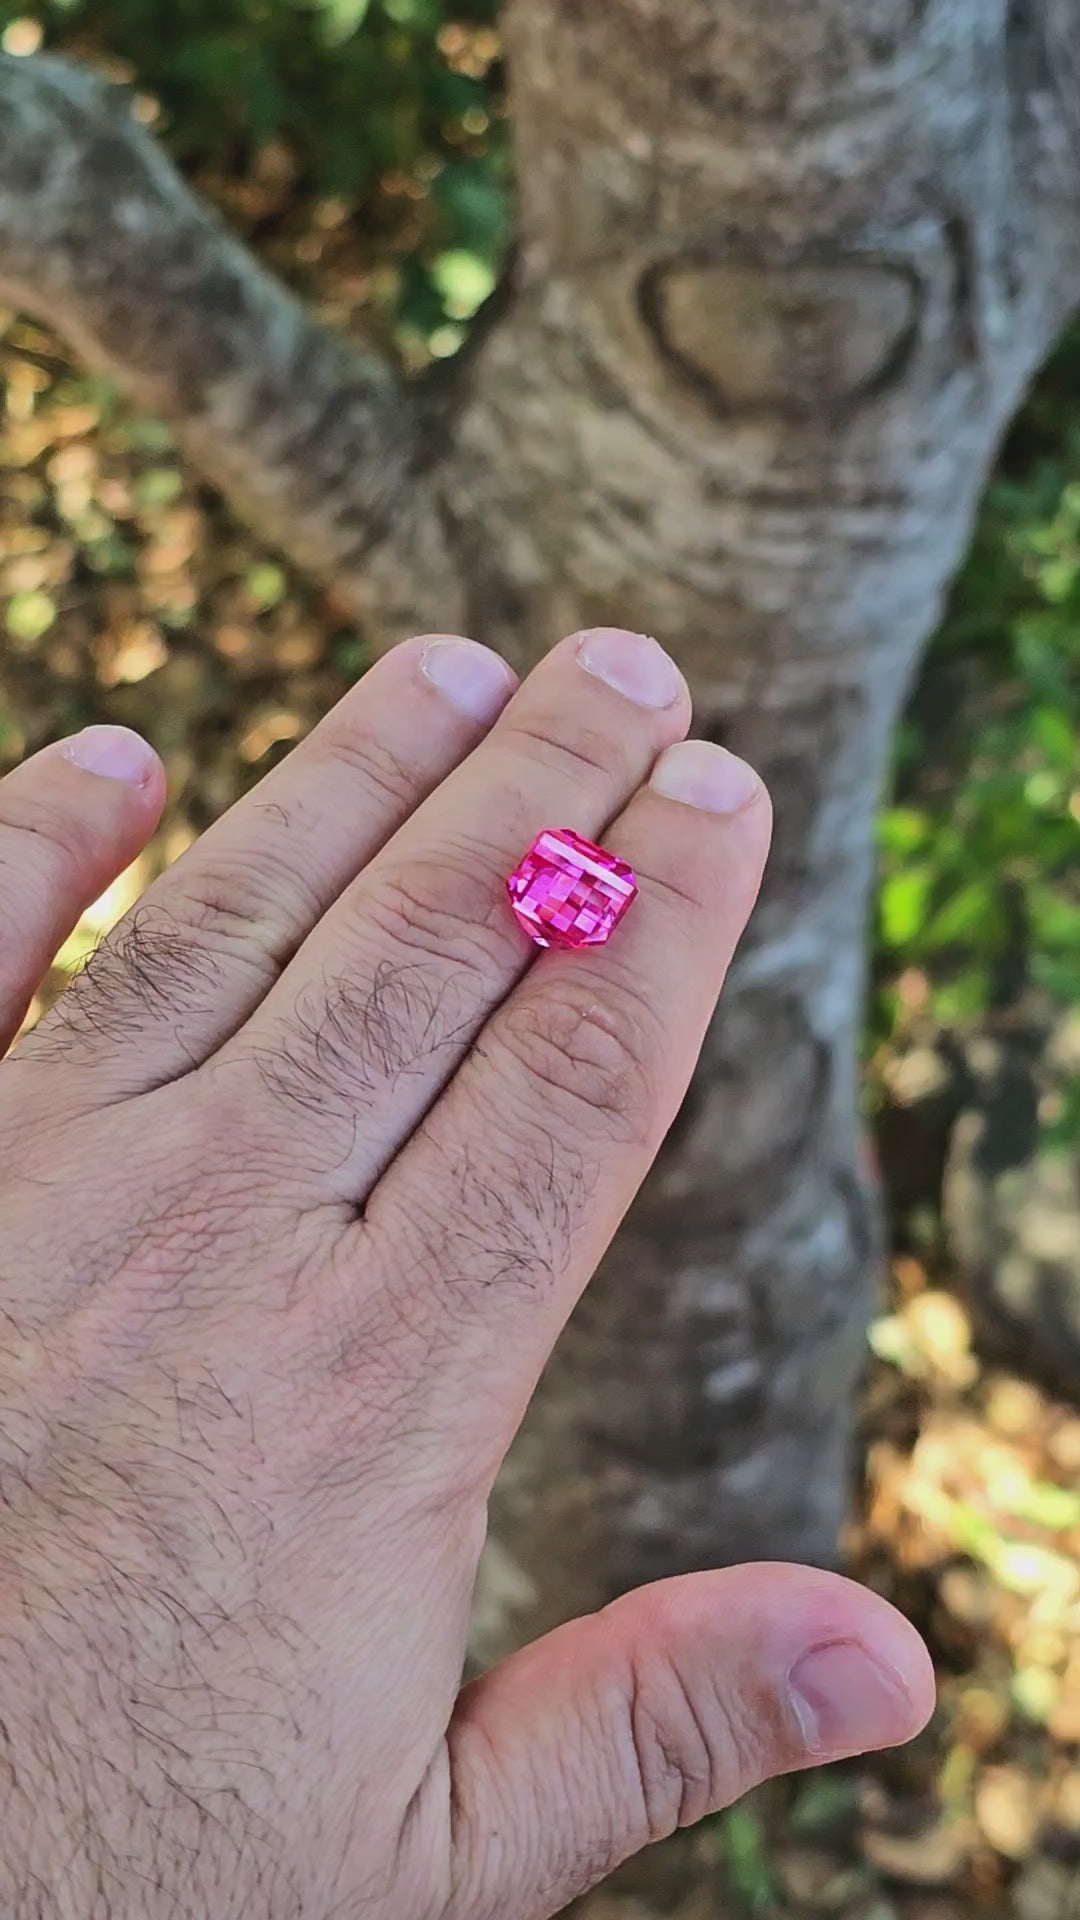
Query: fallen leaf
{"type": "Point", "coordinates": [934, 1857]}
{"type": "Point", "coordinates": [1007, 1807]}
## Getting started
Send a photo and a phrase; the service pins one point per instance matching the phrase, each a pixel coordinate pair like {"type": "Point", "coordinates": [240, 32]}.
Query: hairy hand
{"type": "Point", "coordinates": [302, 1178]}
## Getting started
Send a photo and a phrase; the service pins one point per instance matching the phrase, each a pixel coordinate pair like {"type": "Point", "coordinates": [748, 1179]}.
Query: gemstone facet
{"type": "Point", "coordinates": [568, 893]}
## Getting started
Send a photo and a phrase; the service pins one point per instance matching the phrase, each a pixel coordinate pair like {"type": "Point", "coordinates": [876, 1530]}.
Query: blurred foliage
{"type": "Point", "coordinates": [744, 1843]}
{"type": "Point", "coordinates": [377, 106]}
{"type": "Point", "coordinates": [980, 848]}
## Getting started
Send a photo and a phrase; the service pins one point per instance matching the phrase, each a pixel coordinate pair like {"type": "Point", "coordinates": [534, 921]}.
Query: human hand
{"type": "Point", "coordinates": [302, 1178]}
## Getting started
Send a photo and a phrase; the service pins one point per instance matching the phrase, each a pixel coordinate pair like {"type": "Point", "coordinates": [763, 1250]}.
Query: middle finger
{"type": "Point", "coordinates": [373, 1016]}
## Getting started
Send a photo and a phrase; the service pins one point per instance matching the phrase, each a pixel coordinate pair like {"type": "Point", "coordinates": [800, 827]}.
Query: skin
{"type": "Point", "coordinates": [303, 1177]}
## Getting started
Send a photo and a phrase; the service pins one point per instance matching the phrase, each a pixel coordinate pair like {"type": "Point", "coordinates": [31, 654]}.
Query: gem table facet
{"type": "Point", "coordinates": [568, 893]}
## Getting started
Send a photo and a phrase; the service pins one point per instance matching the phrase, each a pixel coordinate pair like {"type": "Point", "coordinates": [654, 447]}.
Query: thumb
{"type": "Point", "coordinates": [615, 1730]}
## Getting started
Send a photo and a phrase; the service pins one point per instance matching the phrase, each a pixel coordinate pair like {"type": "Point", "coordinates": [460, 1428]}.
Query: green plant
{"type": "Point", "coordinates": [385, 105]}
{"type": "Point", "coordinates": [980, 846]}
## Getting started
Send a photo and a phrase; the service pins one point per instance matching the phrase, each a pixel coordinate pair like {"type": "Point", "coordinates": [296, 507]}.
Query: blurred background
{"type": "Point", "coordinates": [128, 593]}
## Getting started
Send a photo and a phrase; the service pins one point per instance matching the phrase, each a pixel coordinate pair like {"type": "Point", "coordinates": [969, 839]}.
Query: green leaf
{"type": "Point", "coordinates": [1040, 655]}
{"type": "Point", "coordinates": [412, 13]}
{"type": "Point", "coordinates": [903, 830]}
{"type": "Point", "coordinates": [905, 899]}
{"type": "Point", "coordinates": [158, 487]}
{"type": "Point", "coordinates": [342, 18]}
{"type": "Point", "coordinates": [1035, 1692]}
{"type": "Point", "coordinates": [1047, 1505]}
{"type": "Point", "coordinates": [971, 915]}
{"type": "Point", "coordinates": [465, 281]}
{"type": "Point", "coordinates": [266, 584]}
{"type": "Point", "coordinates": [1055, 736]}
{"type": "Point", "coordinates": [1059, 978]}
{"type": "Point", "coordinates": [1055, 919]}
{"type": "Point", "coordinates": [961, 998]}
{"type": "Point", "coordinates": [478, 203]}
{"type": "Point", "coordinates": [823, 1801]}
{"type": "Point", "coordinates": [29, 616]}
{"type": "Point", "coordinates": [746, 1852]}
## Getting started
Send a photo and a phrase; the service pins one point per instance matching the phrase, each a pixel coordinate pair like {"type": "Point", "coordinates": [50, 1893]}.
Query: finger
{"type": "Point", "coordinates": [207, 941]}
{"type": "Point", "coordinates": [71, 819]}
{"type": "Point", "coordinates": [616, 1730]}
{"type": "Point", "coordinates": [387, 995]}
{"type": "Point", "coordinates": [509, 1195]}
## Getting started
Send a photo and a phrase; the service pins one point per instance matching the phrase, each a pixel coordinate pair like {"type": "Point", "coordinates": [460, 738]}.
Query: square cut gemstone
{"type": "Point", "coordinates": [568, 893]}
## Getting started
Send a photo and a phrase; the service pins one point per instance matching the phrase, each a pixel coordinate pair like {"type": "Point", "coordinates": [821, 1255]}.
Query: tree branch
{"type": "Point", "coordinates": [312, 439]}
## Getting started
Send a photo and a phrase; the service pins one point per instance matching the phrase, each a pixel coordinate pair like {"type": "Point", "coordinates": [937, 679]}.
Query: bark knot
{"type": "Point", "coordinates": [797, 338]}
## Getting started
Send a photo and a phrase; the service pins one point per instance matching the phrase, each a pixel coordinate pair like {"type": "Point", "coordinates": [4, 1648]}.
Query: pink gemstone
{"type": "Point", "coordinates": [568, 893]}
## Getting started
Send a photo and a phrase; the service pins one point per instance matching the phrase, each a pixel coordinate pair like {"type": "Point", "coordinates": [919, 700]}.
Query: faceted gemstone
{"type": "Point", "coordinates": [568, 893]}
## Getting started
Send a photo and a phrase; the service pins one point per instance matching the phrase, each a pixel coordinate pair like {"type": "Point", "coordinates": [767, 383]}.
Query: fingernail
{"type": "Point", "coordinates": [845, 1702]}
{"type": "Point", "coordinates": [632, 663]}
{"type": "Point", "coordinates": [703, 775]}
{"type": "Point", "coordinates": [472, 678]}
{"type": "Point", "coordinates": [114, 752]}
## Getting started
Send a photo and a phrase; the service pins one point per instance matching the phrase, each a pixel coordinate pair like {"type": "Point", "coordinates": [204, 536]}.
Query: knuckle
{"type": "Point", "coordinates": [349, 1039]}
{"type": "Point", "coordinates": [598, 1060]}
{"type": "Point", "coordinates": [246, 910]}
{"type": "Point", "coordinates": [146, 969]}
{"type": "Point", "coordinates": [447, 908]}
{"type": "Point", "coordinates": [384, 778]}
{"type": "Point", "coordinates": [689, 1755]}
{"type": "Point", "coordinates": [50, 836]}
{"type": "Point", "coordinates": [489, 1220]}
{"type": "Point", "coordinates": [24, 908]}
{"type": "Point", "coordinates": [587, 751]}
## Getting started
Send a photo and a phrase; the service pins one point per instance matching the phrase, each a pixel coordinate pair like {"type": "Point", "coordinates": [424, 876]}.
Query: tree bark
{"type": "Point", "coordinates": [784, 272]}
{"type": "Point", "coordinates": [311, 438]}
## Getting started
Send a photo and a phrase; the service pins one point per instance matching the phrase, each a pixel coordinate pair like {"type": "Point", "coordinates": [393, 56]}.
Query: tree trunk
{"type": "Point", "coordinates": [784, 272]}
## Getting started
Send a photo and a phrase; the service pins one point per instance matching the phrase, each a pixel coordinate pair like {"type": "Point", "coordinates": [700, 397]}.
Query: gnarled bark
{"type": "Point", "coordinates": [783, 274]}
{"type": "Point", "coordinates": [311, 439]}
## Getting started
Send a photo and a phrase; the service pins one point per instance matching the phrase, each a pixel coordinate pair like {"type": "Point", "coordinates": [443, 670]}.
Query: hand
{"type": "Point", "coordinates": [302, 1178]}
